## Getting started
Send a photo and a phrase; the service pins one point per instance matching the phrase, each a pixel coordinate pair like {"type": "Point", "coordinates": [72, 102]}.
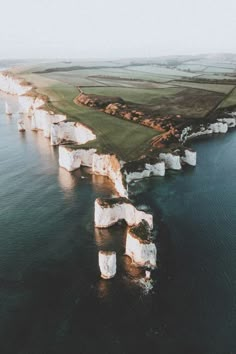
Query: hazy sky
{"type": "Point", "coordinates": [115, 28]}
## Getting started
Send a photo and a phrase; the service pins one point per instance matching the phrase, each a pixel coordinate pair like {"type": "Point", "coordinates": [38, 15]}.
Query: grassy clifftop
{"type": "Point", "coordinates": [168, 91]}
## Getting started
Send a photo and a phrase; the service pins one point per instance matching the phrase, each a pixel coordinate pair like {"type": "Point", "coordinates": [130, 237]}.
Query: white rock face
{"type": "Point", "coordinates": [12, 85]}
{"type": "Point", "coordinates": [28, 104]}
{"type": "Point", "coordinates": [43, 120]}
{"type": "Point", "coordinates": [21, 124]}
{"type": "Point", "coordinates": [187, 133]}
{"type": "Point", "coordinates": [108, 215]}
{"type": "Point", "coordinates": [157, 169]}
{"type": "Point", "coordinates": [231, 122]}
{"type": "Point", "coordinates": [143, 254]}
{"type": "Point", "coordinates": [107, 264]}
{"type": "Point", "coordinates": [71, 131]}
{"type": "Point", "coordinates": [8, 109]}
{"type": "Point", "coordinates": [190, 157]}
{"type": "Point", "coordinates": [109, 165]}
{"type": "Point", "coordinates": [105, 165]}
{"type": "Point", "coordinates": [72, 159]}
{"type": "Point", "coordinates": [219, 127]}
{"type": "Point", "coordinates": [171, 161]}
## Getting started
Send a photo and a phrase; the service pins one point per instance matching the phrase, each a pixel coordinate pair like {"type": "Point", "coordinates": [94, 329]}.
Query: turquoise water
{"type": "Point", "coordinates": [52, 299]}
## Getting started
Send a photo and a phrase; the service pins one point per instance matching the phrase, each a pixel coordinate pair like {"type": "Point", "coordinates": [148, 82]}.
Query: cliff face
{"type": "Point", "coordinates": [108, 165]}
{"type": "Point", "coordinates": [104, 164]}
{"type": "Point", "coordinates": [172, 161]}
{"type": "Point", "coordinates": [28, 104]}
{"type": "Point", "coordinates": [219, 127]}
{"type": "Point", "coordinates": [70, 131]}
{"type": "Point", "coordinates": [189, 157]}
{"type": "Point", "coordinates": [231, 122]}
{"type": "Point", "coordinates": [143, 168]}
{"type": "Point", "coordinates": [143, 254]}
{"type": "Point", "coordinates": [139, 246]}
{"type": "Point", "coordinates": [43, 120]}
{"type": "Point", "coordinates": [12, 85]}
{"type": "Point", "coordinates": [110, 212]}
{"type": "Point", "coordinates": [72, 159]}
{"type": "Point", "coordinates": [107, 264]}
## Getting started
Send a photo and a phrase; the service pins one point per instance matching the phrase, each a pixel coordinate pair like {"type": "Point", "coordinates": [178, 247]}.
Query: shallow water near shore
{"type": "Point", "coordinates": [52, 299]}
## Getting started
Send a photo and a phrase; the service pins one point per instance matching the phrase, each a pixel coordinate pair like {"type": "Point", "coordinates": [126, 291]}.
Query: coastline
{"type": "Point", "coordinates": [104, 164]}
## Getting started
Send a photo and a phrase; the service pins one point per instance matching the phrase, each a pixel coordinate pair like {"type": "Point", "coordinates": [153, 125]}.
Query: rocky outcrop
{"type": "Point", "coordinates": [20, 123]}
{"type": "Point", "coordinates": [13, 85]}
{"type": "Point", "coordinates": [139, 246]}
{"type": "Point", "coordinates": [189, 157]}
{"type": "Point", "coordinates": [71, 159]}
{"type": "Point", "coordinates": [107, 264]}
{"type": "Point", "coordinates": [219, 127]}
{"type": "Point", "coordinates": [43, 120]}
{"type": "Point", "coordinates": [191, 132]}
{"type": "Point", "coordinates": [101, 164]}
{"type": "Point", "coordinates": [108, 165]}
{"type": "Point", "coordinates": [28, 104]}
{"type": "Point", "coordinates": [70, 131]}
{"type": "Point", "coordinates": [143, 168]}
{"type": "Point", "coordinates": [172, 160]}
{"type": "Point", "coordinates": [8, 109]}
{"type": "Point", "coordinates": [231, 122]}
{"type": "Point", "coordinates": [109, 211]}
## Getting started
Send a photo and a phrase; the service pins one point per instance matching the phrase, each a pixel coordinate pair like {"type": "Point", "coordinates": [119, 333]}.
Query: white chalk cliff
{"type": "Point", "coordinates": [71, 159]}
{"type": "Point", "coordinates": [231, 122]}
{"type": "Point", "coordinates": [101, 164]}
{"type": "Point", "coordinates": [20, 123]}
{"type": "Point", "coordinates": [220, 127]}
{"type": "Point", "coordinates": [71, 131]}
{"type": "Point", "coordinates": [142, 251]}
{"type": "Point", "coordinates": [109, 211]}
{"type": "Point", "coordinates": [107, 264]}
{"type": "Point", "coordinates": [8, 109]}
{"type": "Point", "coordinates": [29, 103]}
{"type": "Point", "coordinates": [172, 161]}
{"type": "Point", "coordinates": [13, 85]}
{"type": "Point", "coordinates": [43, 120]}
{"type": "Point", "coordinates": [147, 169]}
{"type": "Point", "coordinates": [189, 157]}
{"type": "Point", "coordinates": [108, 165]}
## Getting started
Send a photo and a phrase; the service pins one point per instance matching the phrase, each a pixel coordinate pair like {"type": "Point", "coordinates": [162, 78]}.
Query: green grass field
{"type": "Point", "coordinates": [229, 101]}
{"type": "Point", "coordinates": [165, 86]}
{"type": "Point", "coordinates": [128, 140]}
{"type": "Point", "coordinates": [141, 96]}
{"type": "Point", "coordinates": [202, 86]}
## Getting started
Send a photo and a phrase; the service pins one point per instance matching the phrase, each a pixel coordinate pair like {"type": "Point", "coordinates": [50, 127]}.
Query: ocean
{"type": "Point", "coordinates": [52, 298]}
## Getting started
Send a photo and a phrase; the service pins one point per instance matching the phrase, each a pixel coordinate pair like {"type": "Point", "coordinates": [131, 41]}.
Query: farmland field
{"type": "Point", "coordinates": [185, 86]}
{"type": "Point", "coordinates": [229, 101]}
{"type": "Point", "coordinates": [141, 96]}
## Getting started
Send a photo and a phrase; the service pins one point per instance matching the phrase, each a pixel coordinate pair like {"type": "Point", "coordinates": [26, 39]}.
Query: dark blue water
{"type": "Point", "coordinates": [52, 300]}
